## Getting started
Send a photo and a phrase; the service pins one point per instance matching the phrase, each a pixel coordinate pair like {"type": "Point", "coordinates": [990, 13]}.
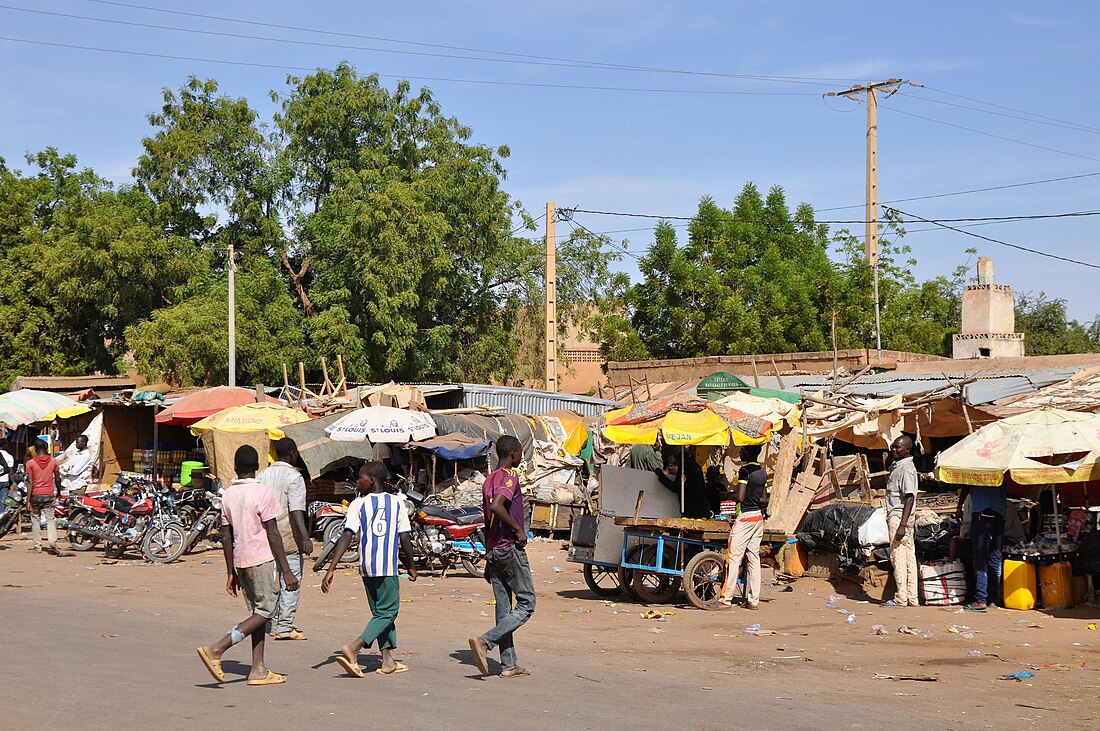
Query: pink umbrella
{"type": "Point", "coordinates": [201, 404]}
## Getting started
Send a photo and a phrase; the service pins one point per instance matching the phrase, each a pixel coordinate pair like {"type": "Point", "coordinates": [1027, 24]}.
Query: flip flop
{"type": "Point", "coordinates": [972, 608]}
{"type": "Point", "coordinates": [272, 678]}
{"type": "Point", "coordinates": [214, 667]}
{"type": "Point", "coordinates": [398, 667]}
{"type": "Point", "coordinates": [352, 668]}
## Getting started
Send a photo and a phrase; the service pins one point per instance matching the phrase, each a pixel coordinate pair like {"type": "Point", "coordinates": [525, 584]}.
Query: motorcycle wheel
{"type": "Point", "coordinates": [475, 565]}
{"type": "Point", "coordinates": [187, 515]}
{"type": "Point", "coordinates": [113, 550]}
{"type": "Point", "coordinates": [7, 521]}
{"type": "Point", "coordinates": [81, 541]}
{"type": "Point", "coordinates": [332, 533]}
{"type": "Point", "coordinates": [322, 560]}
{"type": "Point", "coordinates": [164, 543]}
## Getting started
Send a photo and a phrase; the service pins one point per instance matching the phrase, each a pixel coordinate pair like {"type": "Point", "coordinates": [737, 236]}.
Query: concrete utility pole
{"type": "Point", "coordinates": [551, 300]}
{"type": "Point", "coordinates": [870, 235]}
{"type": "Point", "coordinates": [232, 319]}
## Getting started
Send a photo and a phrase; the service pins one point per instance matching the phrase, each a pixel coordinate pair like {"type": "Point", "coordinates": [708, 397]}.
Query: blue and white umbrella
{"type": "Point", "coordinates": [382, 424]}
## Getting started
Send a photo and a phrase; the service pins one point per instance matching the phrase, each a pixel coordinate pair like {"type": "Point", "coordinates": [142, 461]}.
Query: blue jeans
{"type": "Point", "coordinates": [510, 574]}
{"type": "Point", "coordinates": [282, 621]}
{"type": "Point", "coordinates": [986, 534]}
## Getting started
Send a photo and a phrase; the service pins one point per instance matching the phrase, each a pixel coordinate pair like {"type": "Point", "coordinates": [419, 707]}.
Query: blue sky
{"type": "Point", "coordinates": [658, 150]}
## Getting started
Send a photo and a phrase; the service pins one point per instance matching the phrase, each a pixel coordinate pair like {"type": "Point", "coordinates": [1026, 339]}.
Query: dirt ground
{"type": "Point", "coordinates": [97, 644]}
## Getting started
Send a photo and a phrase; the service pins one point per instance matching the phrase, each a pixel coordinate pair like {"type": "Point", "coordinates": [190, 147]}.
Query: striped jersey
{"type": "Point", "coordinates": [379, 518]}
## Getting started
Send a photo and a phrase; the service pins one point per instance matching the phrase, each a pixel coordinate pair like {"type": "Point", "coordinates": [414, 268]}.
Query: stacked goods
{"type": "Point", "coordinates": [942, 582]}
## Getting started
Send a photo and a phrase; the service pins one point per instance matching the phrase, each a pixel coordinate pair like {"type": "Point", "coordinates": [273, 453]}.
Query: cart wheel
{"type": "Point", "coordinates": [603, 581]}
{"type": "Point", "coordinates": [704, 577]}
{"type": "Point", "coordinates": [626, 576]}
{"type": "Point", "coordinates": [651, 587]}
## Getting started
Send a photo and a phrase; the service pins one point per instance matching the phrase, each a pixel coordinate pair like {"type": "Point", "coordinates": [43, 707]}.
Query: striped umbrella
{"type": "Point", "coordinates": [27, 406]}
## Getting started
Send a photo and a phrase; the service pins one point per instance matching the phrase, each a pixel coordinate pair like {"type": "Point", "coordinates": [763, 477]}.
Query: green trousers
{"type": "Point", "coordinates": [384, 597]}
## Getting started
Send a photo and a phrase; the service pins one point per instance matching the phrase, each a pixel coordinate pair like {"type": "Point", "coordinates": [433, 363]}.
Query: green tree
{"type": "Point", "coordinates": [1049, 331]}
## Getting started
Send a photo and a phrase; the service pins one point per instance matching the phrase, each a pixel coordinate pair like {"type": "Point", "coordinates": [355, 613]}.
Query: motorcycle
{"type": "Point", "coordinates": [327, 521]}
{"type": "Point", "coordinates": [11, 509]}
{"type": "Point", "coordinates": [144, 519]}
{"type": "Point", "coordinates": [445, 533]}
{"type": "Point", "coordinates": [207, 524]}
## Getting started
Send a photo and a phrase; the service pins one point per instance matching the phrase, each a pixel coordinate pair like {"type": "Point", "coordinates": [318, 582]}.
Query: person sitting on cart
{"type": "Point", "coordinates": [695, 494]}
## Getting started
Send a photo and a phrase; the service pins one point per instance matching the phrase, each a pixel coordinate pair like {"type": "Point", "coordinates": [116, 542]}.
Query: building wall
{"type": "Point", "coordinates": [987, 345]}
{"type": "Point", "coordinates": [988, 308]}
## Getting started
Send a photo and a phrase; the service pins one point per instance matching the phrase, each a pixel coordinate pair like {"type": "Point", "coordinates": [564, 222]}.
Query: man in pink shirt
{"type": "Point", "coordinates": [253, 549]}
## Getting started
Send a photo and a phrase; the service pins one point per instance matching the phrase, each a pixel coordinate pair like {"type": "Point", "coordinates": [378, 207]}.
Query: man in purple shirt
{"type": "Point", "coordinates": [506, 566]}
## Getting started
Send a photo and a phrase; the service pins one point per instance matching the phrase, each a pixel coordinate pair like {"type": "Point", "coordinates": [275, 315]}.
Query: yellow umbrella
{"type": "Point", "coordinates": [575, 433]}
{"type": "Point", "coordinates": [703, 427]}
{"type": "Point", "coordinates": [1041, 447]}
{"type": "Point", "coordinates": [251, 418]}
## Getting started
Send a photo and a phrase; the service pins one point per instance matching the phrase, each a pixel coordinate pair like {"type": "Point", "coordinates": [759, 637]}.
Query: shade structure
{"type": "Point", "coordinates": [251, 418]}
{"type": "Point", "coordinates": [207, 402]}
{"type": "Point", "coordinates": [1041, 447]}
{"type": "Point", "coordinates": [573, 434]}
{"type": "Point", "coordinates": [455, 446]}
{"type": "Point", "coordinates": [684, 419]}
{"type": "Point", "coordinates": [27, 406]}
{"type": "Point", "coordinates": [770, 408]}
{"type": "Point", "coordinates": [382, 424]}
{"type": "Point", "coordinates": [321, 454]}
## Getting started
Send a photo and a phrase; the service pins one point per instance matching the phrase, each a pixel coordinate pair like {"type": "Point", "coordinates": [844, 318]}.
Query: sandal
{"type": "Point", "coordinates": [272, 678]}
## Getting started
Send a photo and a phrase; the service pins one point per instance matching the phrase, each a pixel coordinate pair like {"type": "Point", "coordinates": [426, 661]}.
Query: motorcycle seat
{"type": "Point", "coordinates": [462, 516]}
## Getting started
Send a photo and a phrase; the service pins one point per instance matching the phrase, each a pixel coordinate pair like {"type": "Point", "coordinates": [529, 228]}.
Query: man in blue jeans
{"type": "Point", "coordinates": [988, 510]}
{"type": "Point", "coordinates": [506, 566]}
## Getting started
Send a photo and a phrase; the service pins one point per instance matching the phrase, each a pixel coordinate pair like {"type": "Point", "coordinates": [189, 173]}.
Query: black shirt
{"type": "Point", "coordinates": [755, 478]}
{"type": "Point", "coordinates": [695, 495]}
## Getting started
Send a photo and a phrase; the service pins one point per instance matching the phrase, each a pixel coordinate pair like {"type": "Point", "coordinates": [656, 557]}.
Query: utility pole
{"type": "Point", "coordinates": [551, 300]}
{"type": "Point", "coordinates": [870, 235]}
{"type": "Point", "coordinates": [232, 319]}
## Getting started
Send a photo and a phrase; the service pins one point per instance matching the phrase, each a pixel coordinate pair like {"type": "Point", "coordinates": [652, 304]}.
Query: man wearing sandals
{"type": "Point", "coordinates": [901, 494]}
{"type": "Point", "coordinates": [506, 565]}
{"type": "Point", "coordinates": [382, 523]}
{"type": "Point", "coordinates": [253, 550]}
{"type": "Point", "coordinates": [290, 490]}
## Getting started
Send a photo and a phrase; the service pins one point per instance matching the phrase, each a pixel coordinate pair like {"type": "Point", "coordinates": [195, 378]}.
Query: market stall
{"type": "Point", "coordinates": [253, 424]}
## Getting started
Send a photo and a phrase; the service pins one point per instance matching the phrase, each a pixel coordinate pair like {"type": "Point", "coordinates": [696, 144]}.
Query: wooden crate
{"type": "Point", "coordinates": [552, 516]}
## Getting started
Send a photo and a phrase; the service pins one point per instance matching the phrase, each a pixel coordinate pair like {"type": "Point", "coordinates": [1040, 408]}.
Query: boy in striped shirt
{"type": "Point", "coordinates": [382, 524]}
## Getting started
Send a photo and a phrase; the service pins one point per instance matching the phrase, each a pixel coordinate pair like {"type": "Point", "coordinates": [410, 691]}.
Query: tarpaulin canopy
{"type": "Point", "coordinates": [493, 427]}
{"type": "Point", "coordinates": [382, 424]}
{"type": "Point", "coordinates": [454, 446]}
{"type": "Point", "coordinates": [201, 404]}
{"type": "Point", "coordinates": [573, 433]}
{"type": "Point", "coordinates": [1041, 447]}
{"type": "Point", "coordinates": [775, 410]}
{"type": "Point", "coordinates": [27, 406]}
{"type": "Point", "coordinates": [684, 419]}
{"type": "Point", "coordinates": [251, 418]}
{"type": "Point", "coordinates": [321, 454]}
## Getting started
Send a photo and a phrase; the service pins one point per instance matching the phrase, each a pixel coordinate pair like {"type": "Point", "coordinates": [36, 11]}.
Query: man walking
{"type": "Point", "coordinates": [382, 522]}
{"type": "Point", "coordinates": [747, 529]}
{"type": "Point", "coordinates": [988, 510]}
{"type": "Point", "coordinates": [290, 490]}
{"type": "Point", "coordinates": [253, 552]}
{"type": "Point", "coordinates": [901, 495]}
{"type": "Point", "coordinates": [506, 566]}
{"type": "Point", "coordinates": [44, 472]}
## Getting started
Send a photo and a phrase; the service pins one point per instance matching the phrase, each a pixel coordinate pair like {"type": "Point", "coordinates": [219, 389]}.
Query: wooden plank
{"type": "Point", "coordinates": [784, 471]}
{"type": "Point", "coordinates": [787, 520]}
{"type": "Point", "coordinates": [864, 479]}
{"type": "Point", "coordinates": [638, 505]}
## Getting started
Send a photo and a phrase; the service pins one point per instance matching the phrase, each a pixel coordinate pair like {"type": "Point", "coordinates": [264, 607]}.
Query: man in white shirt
{"type": "Point", "coordinates": [77, 470]}
{"type": "Point", "coordinates": [901, 494]}
{"type": "Point", "coordinates": [7, 469]}
{"type": "Point", "coordinates": [290, 490]}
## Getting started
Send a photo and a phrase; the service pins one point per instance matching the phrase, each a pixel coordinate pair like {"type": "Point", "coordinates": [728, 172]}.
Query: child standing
{"type": "Point", "coordinates": [382, 523]}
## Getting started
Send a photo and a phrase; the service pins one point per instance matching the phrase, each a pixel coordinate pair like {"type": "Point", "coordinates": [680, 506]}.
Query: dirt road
{"type": "Point", "coordinates": [91, 644]}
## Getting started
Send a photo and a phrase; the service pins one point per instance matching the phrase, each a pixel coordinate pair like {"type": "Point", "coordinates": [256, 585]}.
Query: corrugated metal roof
{"type": "Point", "coordinates": [530, 401]}
{"type": "Point", "coordinates": [71, 383]}
{"type": "Point", "coordinates": [990, 386]}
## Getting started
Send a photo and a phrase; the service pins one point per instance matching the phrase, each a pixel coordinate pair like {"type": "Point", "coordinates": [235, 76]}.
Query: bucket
{"type": "Point", "coordinates": [794, 558]}
{"type": "Point", "coordinates": [185, 472]}
{"type": "Point", "coordinates": [1019, 585]}
{"type": "Point", "coordinates": [1056, 585]}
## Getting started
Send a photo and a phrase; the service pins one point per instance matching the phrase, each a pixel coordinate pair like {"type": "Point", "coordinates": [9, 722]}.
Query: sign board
{"type": "Point", "coordinates": [720, 384]}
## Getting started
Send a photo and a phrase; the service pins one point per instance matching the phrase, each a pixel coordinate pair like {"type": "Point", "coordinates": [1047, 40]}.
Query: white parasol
{"type": "Point", "coordinates": [382, 424]}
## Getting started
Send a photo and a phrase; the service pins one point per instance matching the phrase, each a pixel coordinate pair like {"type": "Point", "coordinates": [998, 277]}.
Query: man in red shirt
{"type": "Point", "coordinates": [45, 478]}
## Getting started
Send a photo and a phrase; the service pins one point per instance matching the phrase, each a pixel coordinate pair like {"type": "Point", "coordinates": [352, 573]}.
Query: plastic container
{"type": "Point", "coordinates": [1056, 585]}
{"type": "Point", "coordinates": [1019, 585]}
{"type": "Point", "coordinates": [1080, 589]}
{"type": "Point", "coordinates": [794, 558]}
{"type": "Point", "coordinates": [186, 469]}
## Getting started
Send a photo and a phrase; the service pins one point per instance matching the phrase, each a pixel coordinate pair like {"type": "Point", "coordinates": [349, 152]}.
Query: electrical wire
{"type": "Point", "coordinates": [996, 241]}
{"type": "Point", "coordinates": [1069, 126]}
{"type": "Point", "coordinates": [524, 225]}
{"type": "Point", "coordinates": [444, 79]}
{"type": "Point", "coordinates": [319, 44]}
{"type": "Point", "coordinates": [579, 63]}
{"type": "Point", "coordinates": [1011, 109]}
{"type": "Point", "coordinates": [1030, 217]}
{"type": "Point", "coordinates": [989, 134]}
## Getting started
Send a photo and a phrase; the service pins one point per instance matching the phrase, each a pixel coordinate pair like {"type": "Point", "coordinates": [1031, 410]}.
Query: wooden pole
{"type": "Point", "coordinates": [301, 382]}
{"type": "Point", "coordinates": [755, 373]}
{"type": "Point", "coordinates": [778, 377]}
{"type": "Point", "coordinates": [551, 301]}
{"type": "Point", "coordinates": [832, 331]}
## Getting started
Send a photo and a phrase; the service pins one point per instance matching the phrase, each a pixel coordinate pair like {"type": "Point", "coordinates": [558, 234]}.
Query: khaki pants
{"type": "Point", "coordinates": [903, 555]}
{"type": "Point", "coordinates": [744, 543]}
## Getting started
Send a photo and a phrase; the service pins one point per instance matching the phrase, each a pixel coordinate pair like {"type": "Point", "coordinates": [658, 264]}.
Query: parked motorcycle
{"type": "Point", "coordinates": [207, 524]}
{"type": "Point", "coordinates": [146, 519]}
{"type": "Point", "coordinates": [327, 523]}
{"type": "Point", "coordinates": [11, 509]}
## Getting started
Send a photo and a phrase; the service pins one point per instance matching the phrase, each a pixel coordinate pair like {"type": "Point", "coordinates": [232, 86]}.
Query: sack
{"type": "Point", "coordinates": [874, 532]}
{"type": "Point", "coordinates": [942, 582]}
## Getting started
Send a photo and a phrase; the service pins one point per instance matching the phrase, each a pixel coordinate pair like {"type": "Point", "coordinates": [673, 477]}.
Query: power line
{"type": "Point", "coordinates": [997, 241]}
{"type": "Point", "coordinates": [524, 225]}
{"type": "Point", "coordinates": [972, 190]}
{"type": "Point", "coordinates": [990, 134]}
{"type": "Point", "coordinates": [1030, 217]}
{"type": "Point", "coordinates": [1069, 126]}
{"type": "Point", "coordinates": [579, 63]}
{"type": "Point", "coordinates": [318, 44]}
{"type": "Point", "coordinates": [284, 67]}
{"type": "Point", "coordinates": [1011, 109]}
